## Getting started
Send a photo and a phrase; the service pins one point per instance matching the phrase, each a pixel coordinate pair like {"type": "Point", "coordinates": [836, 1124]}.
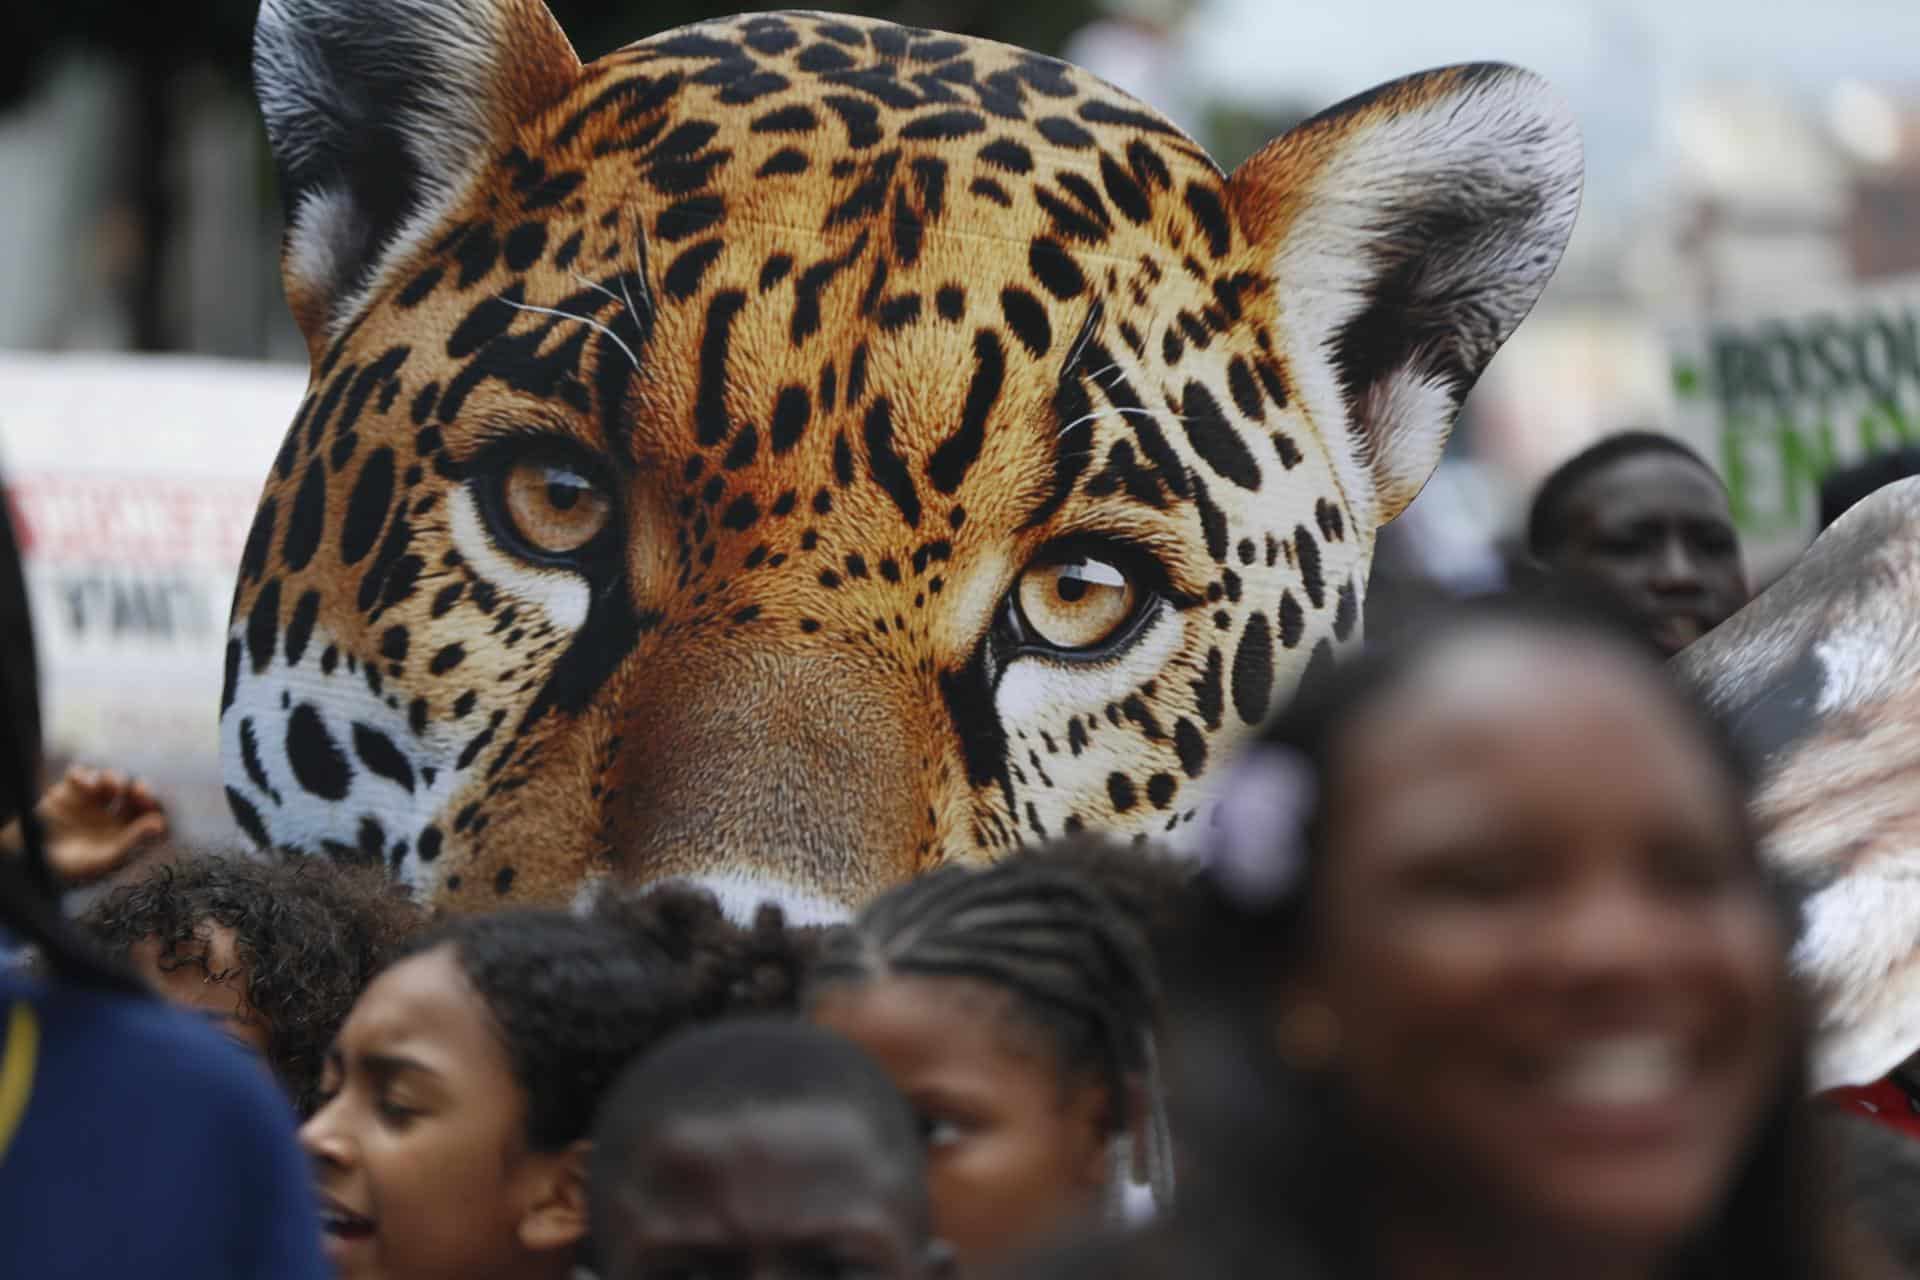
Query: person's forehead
{"type": "Point", "coordinates": [796, 1158]}
{"type": "Point", "coordinates": [1487, 678]}
{"type": "Point", "coordinates": [1484, 678]}
{"type": "Point", "coordinates": [937, 1026]}
{"type": "Point", "coordinates": [1648, 484]}
{"type": "Point", "coordinates": [424, 1007]}
{"type": "Point", "coordinates": [1466, 712]}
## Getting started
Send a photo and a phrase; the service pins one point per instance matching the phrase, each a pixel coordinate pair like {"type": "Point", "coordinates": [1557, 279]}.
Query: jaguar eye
{"type": "Point", "coordinates": [1077, 602]}
{"type": "Point", "coordinates": [553, 508]}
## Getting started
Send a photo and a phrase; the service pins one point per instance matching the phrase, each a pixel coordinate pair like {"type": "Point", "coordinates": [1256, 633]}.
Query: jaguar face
{"type": "Point", "coordinates": [795, 451]}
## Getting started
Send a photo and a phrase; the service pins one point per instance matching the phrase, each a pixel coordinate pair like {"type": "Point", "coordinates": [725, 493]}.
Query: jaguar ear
{"type": "Point", "coordinates": [1410, 230]}
{"type": "Point", "coordinates": [380, 114]}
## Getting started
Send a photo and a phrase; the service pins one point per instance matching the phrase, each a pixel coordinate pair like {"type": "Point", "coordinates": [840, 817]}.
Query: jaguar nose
{"type": "Point", "coordinates": [764, 774]}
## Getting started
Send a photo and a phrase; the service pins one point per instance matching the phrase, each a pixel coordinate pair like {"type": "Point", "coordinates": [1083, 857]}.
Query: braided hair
{"type": "Point", "coordinates": [1074, 958]}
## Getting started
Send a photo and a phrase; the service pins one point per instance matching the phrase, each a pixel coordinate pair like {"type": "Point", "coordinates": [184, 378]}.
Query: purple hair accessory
{"type": "Point", "coordinates": [1258, 847]}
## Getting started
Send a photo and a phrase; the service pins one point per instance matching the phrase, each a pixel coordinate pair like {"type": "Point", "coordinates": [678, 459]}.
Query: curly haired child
{"type": "Point", "coordinates": [276, 952]}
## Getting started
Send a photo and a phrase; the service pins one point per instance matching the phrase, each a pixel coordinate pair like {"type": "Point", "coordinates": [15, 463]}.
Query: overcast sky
{"type": "Point", "coordinates": [1615, 61]}
{"type": "Point", "coordinates": [1337, 46]}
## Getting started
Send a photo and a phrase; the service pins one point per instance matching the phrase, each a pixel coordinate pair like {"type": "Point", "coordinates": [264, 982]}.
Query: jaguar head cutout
{"type": "Point", "coordinates": [1819, 680]}
{"type": "Point", "coordinates": [794, 451]}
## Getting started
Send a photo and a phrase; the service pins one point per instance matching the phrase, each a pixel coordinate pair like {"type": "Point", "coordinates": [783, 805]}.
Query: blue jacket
{"type": "Point", "coordinates": [137, 1142]}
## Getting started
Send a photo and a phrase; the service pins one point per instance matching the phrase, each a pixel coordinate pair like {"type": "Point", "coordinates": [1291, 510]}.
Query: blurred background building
{"type": "Point", "coordinates": [1747, 160]}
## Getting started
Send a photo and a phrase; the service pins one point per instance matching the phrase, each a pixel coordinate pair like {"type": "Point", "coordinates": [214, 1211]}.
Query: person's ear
{"type": "Point", "coordinates": [1307, 1032]}
{"type": "Point", "coordinates": [1089, 1113]}
{"type": "Point", "coordinates": [556, 1217]}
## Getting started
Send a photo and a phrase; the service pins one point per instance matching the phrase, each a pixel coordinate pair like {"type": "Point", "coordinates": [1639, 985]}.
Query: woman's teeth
{"type": "Point", "coordinates": [338, 1223]}
{"type": "Point", "coordinates": [1620, 1071]}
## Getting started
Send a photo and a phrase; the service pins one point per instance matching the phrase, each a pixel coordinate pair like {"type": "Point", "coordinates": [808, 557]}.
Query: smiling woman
{"type": "Point", "coordinates": [1520, 1002]}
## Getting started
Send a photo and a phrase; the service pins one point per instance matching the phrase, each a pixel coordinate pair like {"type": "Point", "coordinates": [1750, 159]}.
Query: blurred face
{"type": "Point", "coordinates": [1015, 1148]}
{"type": "Point", "coordinates": [204, 975]}
{"type": "Point", "coordinates": [420, 1143]}
{"type": "Point", "coordinates": [1559, 985]}
{"type": "Point", "coordinates": [799, 1192]}
{"type": "Point", "coordinates": [1655, 530]}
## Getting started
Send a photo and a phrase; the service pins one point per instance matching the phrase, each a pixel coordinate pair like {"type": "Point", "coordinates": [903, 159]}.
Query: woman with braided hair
{"type": "Point", "coordinates": [1015, 1008]}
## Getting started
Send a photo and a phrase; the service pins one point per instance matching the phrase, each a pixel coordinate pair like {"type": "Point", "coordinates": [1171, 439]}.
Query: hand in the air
{"type": "Point", "coordinates": [96, 821]}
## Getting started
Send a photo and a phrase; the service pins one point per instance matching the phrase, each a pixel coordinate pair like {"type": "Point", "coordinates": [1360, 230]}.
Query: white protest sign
{"type": "Point", "coordinates": [132, 483]}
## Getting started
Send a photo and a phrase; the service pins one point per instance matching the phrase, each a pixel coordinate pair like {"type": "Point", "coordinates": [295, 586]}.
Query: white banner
{"type": "Point", "coordinates": [132, 483]}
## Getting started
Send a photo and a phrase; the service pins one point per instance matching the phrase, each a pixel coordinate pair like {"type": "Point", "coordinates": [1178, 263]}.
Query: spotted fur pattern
{"type": "Point", "coordinates": [855, 328]}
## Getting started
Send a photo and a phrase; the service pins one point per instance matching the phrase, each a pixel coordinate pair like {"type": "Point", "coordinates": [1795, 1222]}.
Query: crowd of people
{"type": "Point", "coordinates": [1480, 973]}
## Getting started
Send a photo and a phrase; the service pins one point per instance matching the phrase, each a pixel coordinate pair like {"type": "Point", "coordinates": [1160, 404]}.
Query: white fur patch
{"type": "Point", "coordinates": [328, 70]}
{"type": "Point", "coordinates": [563, 597]}
{"type": "Point", "coordinates": [1405, 412]}
{"type": "Point", "coordinates": [1858, 950]}
{"type": "Point", "coordinates": [1036, 696]}
{"type": "Point", "coordinates": [740, 898]}
{"type": "Point", "coordinates": [1035, 691]}
{"type": "Point", "coordinates": [741, 895]}
{"type": "Point", "coordinates": [1491, 144]}
{"type": "Point", "coordinates": [587, 895]}
{"type": "Point", "coordinates": [264, 707]}
{"type": "Point", "coordinates": [321, 236]}
{"type": "Point", "coordinates": [1860, 665]}
{"type": "Point", "coordinates": [452, 49]}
